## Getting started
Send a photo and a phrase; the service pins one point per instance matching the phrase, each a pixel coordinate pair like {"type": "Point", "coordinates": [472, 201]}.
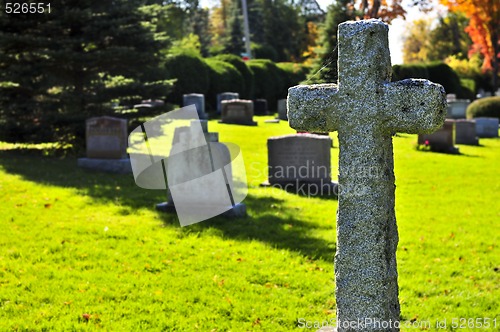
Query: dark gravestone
{"type": "Point", "coordinates": [486, 127]}
{"type": "Point", "coordinates": [198, 100]}
{"type": "Point", "coordinates": [282, 110]}
{"type": "Point", "coordinates": [237, 111]}
{"type": "Point", "coordinates": [260, 107]}
{"type": "Point", "coordinates": [225, 96]}
{"type": "Point", "coordinates": [442, 140]}
{"type": "Point", "coordinates": [106, 142]}
{"type": "Point", "coordinates": [465, 132]}
{"type": "Point", "coordinates": [300, 162]}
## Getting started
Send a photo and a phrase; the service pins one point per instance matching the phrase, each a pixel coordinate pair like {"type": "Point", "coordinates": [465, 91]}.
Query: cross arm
{"type": "Point", "coordinates": [413, 106]}
{"type": "Point", "coordinates": [310, 107]}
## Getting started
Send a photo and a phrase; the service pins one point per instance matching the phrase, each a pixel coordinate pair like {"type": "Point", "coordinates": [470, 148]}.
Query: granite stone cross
{"type": "Point", "coordinates": [366, 109]}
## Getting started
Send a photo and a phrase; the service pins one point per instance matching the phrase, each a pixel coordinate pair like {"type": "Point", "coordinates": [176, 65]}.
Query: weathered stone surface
{"type": "Point", "coordinates": [366, 110]}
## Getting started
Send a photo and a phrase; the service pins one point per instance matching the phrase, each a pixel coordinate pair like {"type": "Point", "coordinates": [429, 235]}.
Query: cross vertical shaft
{"type": "Point", "coordinates": [366, 110]}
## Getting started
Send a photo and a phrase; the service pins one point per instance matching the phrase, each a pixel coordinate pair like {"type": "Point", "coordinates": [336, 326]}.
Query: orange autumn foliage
{"type": "Point", "coordinates": [483, 28]}
{"type": "Point", "coordinates": [386, 10]}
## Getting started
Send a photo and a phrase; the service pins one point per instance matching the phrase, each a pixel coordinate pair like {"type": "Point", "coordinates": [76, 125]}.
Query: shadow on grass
{"type": "Point", "coordinates": [452, 153]}
{"type": "Point", "coordinates": [63, 172]}
{"type": "Point", "coordinates": [268, 222]}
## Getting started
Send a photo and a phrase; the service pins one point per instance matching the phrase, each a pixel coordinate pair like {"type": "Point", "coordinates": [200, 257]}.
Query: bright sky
{"type": "Point", "coordinates": [396, 28]}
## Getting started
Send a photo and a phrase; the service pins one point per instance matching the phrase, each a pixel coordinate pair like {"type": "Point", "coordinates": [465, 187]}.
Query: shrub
{"type": "Point", "coordinates": [248, 79]}
{"type": "Point", "coordinates": [223, 77]}
{"type": "Point", "coordinates": [291, 74]}
{"type": "Point", "coordinates": [441, 73]}
{"type": "Point", "coordinates": [191, 74]}
{"type": "Point", "coordinates": [268, 81]}
{"type": "Point", "coordinates": [484, 107]}
{"type": "Point", "coordinates": [468, 88]}
{"type": "Point", "coordinates": [401, 72]}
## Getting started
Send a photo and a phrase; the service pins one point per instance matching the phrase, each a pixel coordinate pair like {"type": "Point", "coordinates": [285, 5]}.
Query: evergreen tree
{"type": "Point", "coordinates": [325, 67]}
{"type": "Point", "coordinates": [74, 62]}
{"type": "Point", "coordinates": [234, 40]}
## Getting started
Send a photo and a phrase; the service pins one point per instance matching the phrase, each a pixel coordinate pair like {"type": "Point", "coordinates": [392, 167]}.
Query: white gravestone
{"type": "Point", "coordinates": [465, 132]}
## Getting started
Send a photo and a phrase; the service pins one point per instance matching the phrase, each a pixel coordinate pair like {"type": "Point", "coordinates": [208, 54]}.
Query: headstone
{"type": "Point", "coordinates": [198, 100]}
{"type": "Point", "coordinates": [481, 93]}
{"type": "Point", "coordinates": [451, 97]}
{"type": "Point", "coordinates": [465, 132]}
{"type": "Point", "coordinates": [300, 162]}
{"type": "Point", "coordinates": [150, 103]}
{"type": "Point", "coordinates": [282, 110]}
{"type": "Point", "coordinates": [366, 110]}
{"type": "Point", "coordinates": [457, 108]}
{"type": "Point", "coordinates": [260, 106]}
{"type": "Point", "coordinates": [198, 161]}
{"type": "Point", "coordinates": [225, 96]}
{"type": "Point", "coordinates": [486, 127]}
{"type": "Point", "coordinates": [106, 138]}
{"type": "Point", "coordinates": [237, 111]}
{"type": "Point", "coordinates": [442, 140]}
{"type": "Point", "coordinates": [106, 143]}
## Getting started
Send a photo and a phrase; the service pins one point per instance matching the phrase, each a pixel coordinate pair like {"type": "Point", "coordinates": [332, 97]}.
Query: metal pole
{"type": "Point", "coordinates": [246, 28]}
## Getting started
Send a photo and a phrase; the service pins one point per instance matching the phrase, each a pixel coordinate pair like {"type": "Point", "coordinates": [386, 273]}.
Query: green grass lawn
{"type": "Point", "coordinates": [87, 251]}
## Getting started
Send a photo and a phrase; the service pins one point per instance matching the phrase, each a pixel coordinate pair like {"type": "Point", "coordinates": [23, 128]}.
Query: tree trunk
{"type": "Point", "coordinates": [496, 52]}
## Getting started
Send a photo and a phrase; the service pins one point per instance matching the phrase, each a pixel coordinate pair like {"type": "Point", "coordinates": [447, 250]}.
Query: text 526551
{"type": "Point", "coordinates": [27, 8]}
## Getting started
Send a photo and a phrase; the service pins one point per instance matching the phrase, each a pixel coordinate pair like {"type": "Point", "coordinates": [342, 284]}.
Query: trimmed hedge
{"type": "Point", "coordinates": [437, 72]}
{"type": "Point", "coordinates": [401, 72]}
{"type": "Point", "coordinates": [268, 80]}
{"type": "Point", "coordinates": [248, 77]}
{"type": "Point", "coordinates": [292, 74]}
{"type": "Point", "coordinates": [441, 73]}
{"type": "Point", "coordinates": [223, 77]}
{"type": "Point", "coordinates": [484, 107]}
{"type": "Point", "coordinates": [191, 73]}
